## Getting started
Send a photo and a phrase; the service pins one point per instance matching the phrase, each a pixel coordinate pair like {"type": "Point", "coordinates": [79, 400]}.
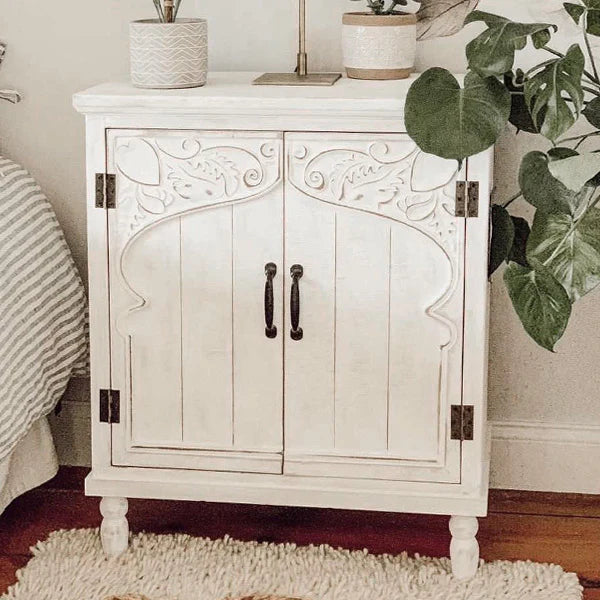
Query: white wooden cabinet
{"type": "Point", "coordinates": [285, 306]}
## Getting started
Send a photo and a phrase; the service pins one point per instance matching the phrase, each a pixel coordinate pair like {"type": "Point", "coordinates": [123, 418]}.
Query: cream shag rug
{"type": "Point", "coordinates": [70, 565]}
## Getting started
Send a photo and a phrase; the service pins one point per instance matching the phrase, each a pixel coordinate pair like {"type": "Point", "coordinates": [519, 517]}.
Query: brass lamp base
{"type": "Point", "coordinates": [301, 77]}
{"type": "Point", "coordinates": [295, 79]}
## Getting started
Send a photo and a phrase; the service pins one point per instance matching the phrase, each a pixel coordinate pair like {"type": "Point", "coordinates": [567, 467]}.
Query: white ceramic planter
{"type": "Point", "coordinates": [379, 46]}
{"type": "Point", "coordinates": [169, 55]}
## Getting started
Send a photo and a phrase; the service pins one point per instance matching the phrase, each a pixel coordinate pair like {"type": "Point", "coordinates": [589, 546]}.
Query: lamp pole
{"type": "Point", "coordinates": [302, 56]}
{"type": "Point", "coordinates": [301, 76]}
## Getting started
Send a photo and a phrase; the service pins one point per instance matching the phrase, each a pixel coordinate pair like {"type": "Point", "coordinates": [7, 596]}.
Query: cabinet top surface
{"type": "Point", "coordinates": [234, 92]}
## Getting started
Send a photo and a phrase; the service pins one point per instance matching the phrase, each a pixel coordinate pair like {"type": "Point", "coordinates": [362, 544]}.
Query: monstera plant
{"type": "Point", "coordinates": [553, 259]}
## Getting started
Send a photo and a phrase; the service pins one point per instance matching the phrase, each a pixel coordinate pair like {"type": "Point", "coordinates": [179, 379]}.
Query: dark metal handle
{"type": "Point", "coordinates": [270, 272]}
{"type": "Point", "coordinates": [296, 332]}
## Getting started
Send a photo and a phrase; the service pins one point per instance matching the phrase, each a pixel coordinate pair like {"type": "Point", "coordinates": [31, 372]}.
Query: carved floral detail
{"type": "Point", "coordinates": [164, 176]}
{"type": "Point", "coordinates": [394, 179]}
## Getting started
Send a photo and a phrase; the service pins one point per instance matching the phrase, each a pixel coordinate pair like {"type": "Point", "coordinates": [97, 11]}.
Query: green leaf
{"type": "Point", "coordinates": [575, 11]}
{"type": "Point", "coordinates": [591, 11]}
{"type": "Point", "coordinates": [593, 16]}
{"type": "Point", "coordinates": [441, 19]}
{"type": "Point", "coordinates": [518, 252]}
{"type": "Point", "coordinates": [542, 37]}
{"type": "Point", "coordinates": [453, 122]}
{"type": "Point", "coordinates": [560, 152]}
{"type": "Point", "coordinates": [592, 112]}
{"type": "Point", "coordinates": [575, 171]}
{"type": "Point", "coordinates": [503, 235]}
{"type": "Point", "coordinates": [540, 301]}
{"type": "Point", "coordinates": [572, 253]}
{"type": "Point", "coordinates": [520, 116]}
{"type": "Point", "coordinates": [548, 88]}
{"type": "Point", "coordinates": [542, 190]}
{"type": "Point", "coordinates": [377, 6]}
{"type": "Point", "coordinates": [492, 53]}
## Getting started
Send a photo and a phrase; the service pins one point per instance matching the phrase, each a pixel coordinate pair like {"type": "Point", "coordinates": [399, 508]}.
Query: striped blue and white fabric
{"type": "Point", "coordinates": [43, 312]}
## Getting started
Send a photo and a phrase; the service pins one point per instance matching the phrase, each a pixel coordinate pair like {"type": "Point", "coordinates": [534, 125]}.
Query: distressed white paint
{"type": "Point", "coordinates": [464, 549]}
{"type": "Point", "coordinates": [383, 305]}
{"type": "Point", "coordinates": [114, 531]}
{"type": "Point", "coordinates": [198, 216]}
{"type": "Point", "coordinates": [44, 134]}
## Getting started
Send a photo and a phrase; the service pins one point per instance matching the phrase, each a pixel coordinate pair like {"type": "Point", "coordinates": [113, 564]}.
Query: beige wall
{"type": "Point", "coordinates": [57, 49]}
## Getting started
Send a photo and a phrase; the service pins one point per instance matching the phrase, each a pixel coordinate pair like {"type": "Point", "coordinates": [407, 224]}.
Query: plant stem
{"type": "Point", "coordinates": [509, 202]}
{"type": "Point", "coordinates": [588, 46]}
{"type": "Point", "coordinates": [585, 137]}
{"type": "Point", "coordinates": [577, 137]}
{"type": "Point", "coordinates": [168, 11]}
{"type": "Point", "coordinates": [176, 9]}
{"type": "Point", "coordinates": [590, 90]}
{"type": "Point", "coordinates": [158, 7]}
{"type": "Point", "coordinates": [572, 230]}
{"type": "Point", "coordinates": [540, 66]}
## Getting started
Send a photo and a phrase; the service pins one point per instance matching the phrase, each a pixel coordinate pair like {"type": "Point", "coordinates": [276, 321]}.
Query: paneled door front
{"type": "Point", "coordinates": [374, 335]}
{"type": "Point", "coordinates": [195, 245]}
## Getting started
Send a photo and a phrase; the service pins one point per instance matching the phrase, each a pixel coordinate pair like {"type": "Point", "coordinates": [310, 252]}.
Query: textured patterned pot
{"type": "Point", "coordinates": [168, 55]}
{"type": "Point", "coordinates": [379, 46]}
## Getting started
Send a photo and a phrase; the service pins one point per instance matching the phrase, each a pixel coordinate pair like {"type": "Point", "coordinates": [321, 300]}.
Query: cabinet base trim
{"type": "Point", "coordinates": [234, 462]}
{"type": "Point", "coordinates": [283, 490]}
{"type": "Point", "coordinates": [369, 468]}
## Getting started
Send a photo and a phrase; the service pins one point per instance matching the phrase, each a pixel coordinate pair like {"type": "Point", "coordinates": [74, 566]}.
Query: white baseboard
{"type": "Point", "coordinates": [526, 455]}
{"type": "Point", "coordinates": [547, 457]}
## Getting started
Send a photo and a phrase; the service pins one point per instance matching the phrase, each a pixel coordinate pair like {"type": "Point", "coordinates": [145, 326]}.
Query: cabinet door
{"type": "Point", "coordinates": [198, 216]}
{"type": "Point", "coordinates": [368, 388]}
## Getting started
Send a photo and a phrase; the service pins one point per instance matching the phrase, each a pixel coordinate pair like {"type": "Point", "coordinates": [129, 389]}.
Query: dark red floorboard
{"type": "Point", "coordinates": [564, 529]}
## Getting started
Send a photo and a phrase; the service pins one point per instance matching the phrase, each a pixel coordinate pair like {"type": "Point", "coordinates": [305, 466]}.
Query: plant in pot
{"type": "Point", "coordinates": [168, 52]}
{"type": "Point", "coordinates": [380, 43]}
{"type": "Point", "coordinates": [553, 259]}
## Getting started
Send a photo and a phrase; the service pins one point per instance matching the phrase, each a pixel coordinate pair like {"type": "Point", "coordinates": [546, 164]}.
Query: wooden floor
{"type": "Point", "coordinates": [558, 528]}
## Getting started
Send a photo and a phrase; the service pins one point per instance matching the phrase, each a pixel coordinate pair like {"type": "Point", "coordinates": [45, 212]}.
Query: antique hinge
{"type": "Point", "coordinates": [110, 406]}
{"type": "Point", "coordinates": [461, 423]}
{"type": "Point", "coordinates": [105, 190]}
{"type": "Point", "coordinates": [467, 199]}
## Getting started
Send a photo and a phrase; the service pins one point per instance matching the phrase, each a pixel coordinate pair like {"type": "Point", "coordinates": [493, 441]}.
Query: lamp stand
{"type": "Point", "coordinates": [301, 76]}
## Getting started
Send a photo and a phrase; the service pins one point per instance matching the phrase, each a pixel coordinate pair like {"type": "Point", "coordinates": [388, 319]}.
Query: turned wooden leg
{"type": "Point", "coordinates": [114, 531]}
{"type": "Point", "coordinates": [464, 549]}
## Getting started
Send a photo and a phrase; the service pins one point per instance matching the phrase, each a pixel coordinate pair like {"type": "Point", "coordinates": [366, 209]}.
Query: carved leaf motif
{"type": "Point", "coordinates": [351, 174]}
{"type": "Point", "coordinates": [200, 186]}
{"type": "Point", "coordinates": [439, 18]}
{"type": "Point", "coordinates": [214, 166]}
{"type": "Point", "coordinates": [152, 204]}
{"type": "Point", "coordinates": [378, 179]}
{"type": "Point", "coordinates": [430, 172]}
{"type": "Point", "coordinates": [171, 174]}
{"type": "Point", "coordinates": [345, 160]}
{"type": "Point", "coordinates": [419, 207]}
{"type": "Point", "coordinates": [138, 161]}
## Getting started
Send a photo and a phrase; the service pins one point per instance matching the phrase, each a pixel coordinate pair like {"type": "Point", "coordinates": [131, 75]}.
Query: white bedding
{"type": "Point", "coordinates": [32, 462]}
{"type": "Point", "coordinates": [43, 333]}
